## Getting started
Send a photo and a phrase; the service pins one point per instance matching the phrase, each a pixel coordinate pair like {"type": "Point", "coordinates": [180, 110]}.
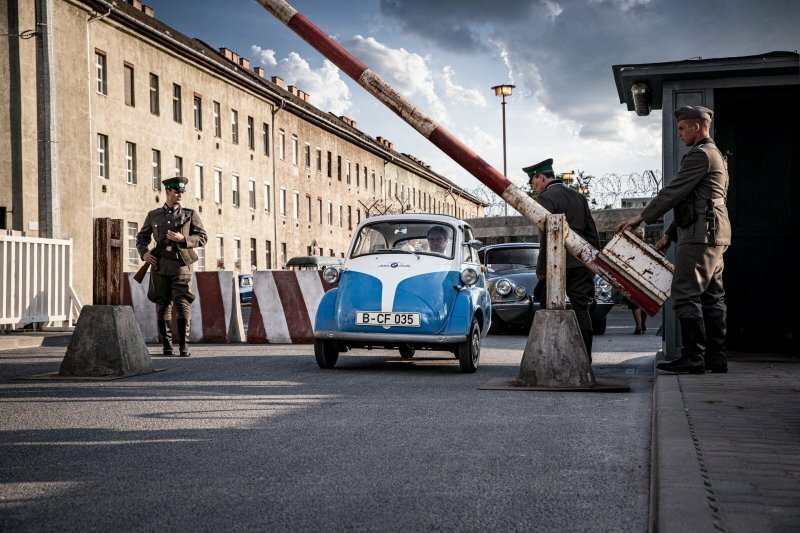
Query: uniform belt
{"type": "Point", "coordinates": [716, 202]}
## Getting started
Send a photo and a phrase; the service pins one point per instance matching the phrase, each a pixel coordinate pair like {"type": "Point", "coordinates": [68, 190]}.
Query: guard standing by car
{"type": "Point", "coordinates": [176, 230]}
{"type": "Point", "coordinates": [701, 227]}
{"type": "Point", "coordinates": [557, 198]}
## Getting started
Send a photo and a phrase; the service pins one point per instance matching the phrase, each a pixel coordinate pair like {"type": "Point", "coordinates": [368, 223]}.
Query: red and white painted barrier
{"type": "Point", "coordinates": [216, 312]}
{"type": "Point", "coordinates": [285, 305]}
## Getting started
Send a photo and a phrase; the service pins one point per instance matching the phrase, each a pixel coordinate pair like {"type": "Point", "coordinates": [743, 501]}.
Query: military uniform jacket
{"type": "Point", "coordinates": [702, 176]}
{"type": "Point", "coordinates": [156, 225]}
{"type": "Point", "coordinates": [560, 199]}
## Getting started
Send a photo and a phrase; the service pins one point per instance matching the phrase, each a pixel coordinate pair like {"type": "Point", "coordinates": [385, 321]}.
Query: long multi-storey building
{"type": "Point", "coordinates": [133, 101]}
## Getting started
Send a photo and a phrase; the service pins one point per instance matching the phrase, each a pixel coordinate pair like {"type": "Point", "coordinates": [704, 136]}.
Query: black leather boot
{"type": "Point", "coordinates": [716, 330]}
{"type": "Point", "coordinates": [183, 336]}
{"type": "Point", "coordinates": [691, 359]}
{"type": "Point", "coordinates": [166, 336]}
{"type": "Point", "coordinates": [587, 335]}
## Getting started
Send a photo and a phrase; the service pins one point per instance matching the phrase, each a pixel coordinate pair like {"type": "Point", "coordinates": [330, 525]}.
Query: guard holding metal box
{"type": "Point", "coordinates": [701, 227]}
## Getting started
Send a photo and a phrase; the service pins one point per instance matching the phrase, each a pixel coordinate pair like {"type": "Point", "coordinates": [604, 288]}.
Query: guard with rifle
{"type": "Point", "coordinates": [176, 230]}
{"type": "Point", "coordinates": [701, 227]}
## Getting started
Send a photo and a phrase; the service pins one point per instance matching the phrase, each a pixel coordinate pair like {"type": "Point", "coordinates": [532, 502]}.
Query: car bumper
{"type": "Point", "coordinates": [389, 337]}
{"type": "Point", "coordinates": [514, 312]}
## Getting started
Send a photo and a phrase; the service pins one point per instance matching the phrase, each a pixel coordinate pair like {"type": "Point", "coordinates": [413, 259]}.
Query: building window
{"type": "Point", "coordinates": [319, 211]}
{"type": "Point", "coordinates": [374, 190]}
{"type": "Point", "coordinates": [251, 193]}
{"type": "Point", "coordinates": [251, 134]}
{"type": "Point", "coordinates": [102, 73]}
{"type": "Point", "coordinates": [130, 163]}
{"type": "Point", "coordinates": [358, 175]}
{"type": "Point", "coordinates": [129, 88]}
{"type": "Point", "coordinates": [253, 255]}
{"type": "Point", "coordinates": [234, 126]}
{"type": "Point", "coordinates": [200, 265]}
{"type": "Point", "coordinates": [358, 216]}
{"type": "Point", "coordinates": [198, 112]}
{"type": "Point", "coordinates": [220, 252]}
{"type": "Point", "coordinates": [217, 186]}
{"type": "Point", "coordinates": [268, 254]}
{"type": "Point", "coordinates": [339, 167]}
{"type": "Point", "coordinates": [349, 217]}
{"type": "Point", "coordinates": [341, 216]}
{"type": "Point", "coordinates": [237, 253]}
{"type": "Point", "coordinates": [217, 121]}
{"type": "Point", "coordinates": [283, 202]}
{"type": "Point", "coordinates": [265, 137]}
{"type": "Point", "coordinates": [282, 144]}
{"type": "Point", "coordinates": [319, 160]}
{"type": "Point", "coordinates": [307, 155]}
{"type": "Point", "coordinates": [154, 95]}
{"type": "Point", "coordinates": [330, 213]}
{"type": "Point", "coordinates": [178, 165]}
{"type": "Point", "coordinates": [102, 156]}
{"type": "Point", "coordinates": [156, 170]}
{"type": "Point", "coordinates": [198, 181]}
{"type": "Point", "coordinates": [296, 206]}
{"type": "Point", "coordinates": [283, 255]}
{"type": "Point", "coordinates": [308, 207]}
{"type": "Point", "coordinates": [267, 197]}
{"type": "Point", "coordinates": [133, 253]}
{"type": "Point", "coordinates": [177, 105]}
{"type": "Point", "coordinates": [294, 150]}
{"type": "Point", "coordinates": [235, 189]}
{"type": "Point", "coordinates": [330, 164]}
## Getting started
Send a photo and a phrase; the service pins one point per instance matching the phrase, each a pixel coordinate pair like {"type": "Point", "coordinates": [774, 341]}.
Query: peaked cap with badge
{"type": "Point", "coordinates": [541, 166]}
{"type": "Point", "coordinates": [178, 183]}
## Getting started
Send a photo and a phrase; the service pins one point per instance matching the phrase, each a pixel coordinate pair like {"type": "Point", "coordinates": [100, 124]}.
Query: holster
{"type": "Point", "coordinates": [711, 222]}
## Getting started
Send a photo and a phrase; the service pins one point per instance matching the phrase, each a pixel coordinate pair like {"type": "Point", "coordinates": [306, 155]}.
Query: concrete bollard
{"type": "Point", "coordinates": [555, 356]}
{"type": "Point", "coordinates": [106, 342]}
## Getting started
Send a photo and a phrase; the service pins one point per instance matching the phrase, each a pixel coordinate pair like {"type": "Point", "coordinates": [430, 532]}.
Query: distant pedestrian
{"type": "Point", "coordinates": [176, 230]}
{"type": "Point", "coordinates": [557, 198]}
{"type": "Point", "coordinates": [701, 227]}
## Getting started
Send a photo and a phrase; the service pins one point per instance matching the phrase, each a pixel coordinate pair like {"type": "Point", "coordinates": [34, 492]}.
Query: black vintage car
{"type": "Point", "coordinates": [511, 280]}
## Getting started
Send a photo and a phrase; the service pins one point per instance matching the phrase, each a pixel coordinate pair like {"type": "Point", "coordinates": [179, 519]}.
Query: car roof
{"type": "Point", "coordinates": [416, 217]}
{"type": "Point", "coordinates": [314, 260]}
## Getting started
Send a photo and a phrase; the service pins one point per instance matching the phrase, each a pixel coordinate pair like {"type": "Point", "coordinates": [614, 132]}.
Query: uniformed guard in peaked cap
{"type": "Point", "coordinates": [178, 183]}
{"type": "Point", "coordinates": [542, 166]}
{"type": "Point", "coordinates": [697, 112]}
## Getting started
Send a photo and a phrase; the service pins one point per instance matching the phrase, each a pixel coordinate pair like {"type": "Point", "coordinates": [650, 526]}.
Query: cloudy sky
{"type": "Point", "coordinates": [445, 55]}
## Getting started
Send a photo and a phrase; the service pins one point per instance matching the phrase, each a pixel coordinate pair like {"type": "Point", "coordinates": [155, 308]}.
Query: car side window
{"type": "Point", "coordinates": [470, 255]}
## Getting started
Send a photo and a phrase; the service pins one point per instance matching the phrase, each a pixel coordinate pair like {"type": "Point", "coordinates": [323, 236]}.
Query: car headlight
{"type": "Point", "coordinates": [330, 274]}
{"type": "Point", "coordinates": [520, 292]}
{"type": "Point", "coordinates": [469, 276]}
{"type": "Point", "coordinates": [603, 291]}
{"type": "Point", "coordinates": [503, 287]}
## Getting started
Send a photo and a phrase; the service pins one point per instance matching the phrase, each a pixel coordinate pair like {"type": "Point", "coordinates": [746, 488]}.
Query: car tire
{"type": "Point", "coordinates": [469, 351]}
{"type": "Point", "coordinates": [406, 351]}
{"type": "Point", "coordinates": [599, 327]}
{"type": "Point", "coordinates": [326, 353]}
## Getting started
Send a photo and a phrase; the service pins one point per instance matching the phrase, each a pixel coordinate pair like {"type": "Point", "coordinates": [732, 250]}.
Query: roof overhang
{"type": "Point", "coordinates": [640, 86]}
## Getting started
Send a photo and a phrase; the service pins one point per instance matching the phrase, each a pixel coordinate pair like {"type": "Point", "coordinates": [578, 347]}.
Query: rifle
{"type": "Point", "coordinates": [160, 246]}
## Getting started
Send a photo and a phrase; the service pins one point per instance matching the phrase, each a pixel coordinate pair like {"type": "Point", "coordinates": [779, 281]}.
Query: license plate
{"type": "Point", "coordinates": [387, 319]}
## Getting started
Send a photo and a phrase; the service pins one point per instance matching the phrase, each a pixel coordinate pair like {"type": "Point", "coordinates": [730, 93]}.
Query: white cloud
{"type": "Point", "coordinates": [554, 9]}
{"type": "Point", "coordinates": [459, 93]}
{"type": "Point", "coordinates": [264, 56]}
{"type": "Point", "coordinates": [407, 72]}
{"type": "Point", "coordinates": [327, 89]}
{"type": "Point", "coordinates": [622, 5]}
{"type": "Point", "coordinates": [506, 60]}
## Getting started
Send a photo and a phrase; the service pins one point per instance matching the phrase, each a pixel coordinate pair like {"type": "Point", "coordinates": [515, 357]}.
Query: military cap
{"type": "Point", "coordinates": [689, 112]}
{"type": "Point", "coordinates": [178, 183]}
{"type": "Point", "coordinates": [542, 166]}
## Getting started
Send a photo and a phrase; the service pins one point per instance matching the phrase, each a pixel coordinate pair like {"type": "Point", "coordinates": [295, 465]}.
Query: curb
{"type": "Point", "coordinates": [678, 501]}
{"type": "Point", "coordinates": [34, 340]}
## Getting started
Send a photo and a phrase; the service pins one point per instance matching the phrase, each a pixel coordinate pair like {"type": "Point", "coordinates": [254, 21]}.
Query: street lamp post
{"type": "Point", "coordinates": [503, 91]}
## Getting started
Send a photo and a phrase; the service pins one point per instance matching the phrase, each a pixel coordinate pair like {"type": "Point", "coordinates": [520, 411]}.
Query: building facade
{"type": "Point", "coordinates": [133, 101]}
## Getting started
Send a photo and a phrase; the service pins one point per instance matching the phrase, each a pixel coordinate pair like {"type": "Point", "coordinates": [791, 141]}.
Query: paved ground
{"type": "Point", "coordinates": [257, 437]}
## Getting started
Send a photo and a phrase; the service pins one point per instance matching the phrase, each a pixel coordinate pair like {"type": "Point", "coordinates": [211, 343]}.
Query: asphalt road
{"type": "Point", "coordinates": [258, 438]}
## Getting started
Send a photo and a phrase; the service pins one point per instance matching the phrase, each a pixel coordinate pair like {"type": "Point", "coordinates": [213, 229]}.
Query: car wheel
{"type": "Point", "coordinates": [326, 353]}
{"type": "Point", "coordinates": [406, 351]}
{"type": "Point", "coordinates": [599, 327]}
{"type": "Point", "coordinates": [469, 351]}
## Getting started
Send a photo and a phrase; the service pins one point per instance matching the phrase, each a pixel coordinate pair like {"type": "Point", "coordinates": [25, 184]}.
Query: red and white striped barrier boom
{"type": "Point", "coordinates": [643, 279]}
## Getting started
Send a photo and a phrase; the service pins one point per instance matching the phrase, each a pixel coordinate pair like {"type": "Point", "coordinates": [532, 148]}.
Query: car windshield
{"type": "Point", "coordinates": [412, 237]}
{"type": "Point", "coordinates": [500, 259]}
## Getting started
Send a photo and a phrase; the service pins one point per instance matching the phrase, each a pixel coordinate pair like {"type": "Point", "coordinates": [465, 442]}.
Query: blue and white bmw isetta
{"type": "Point", "coordinates": [409, 282]}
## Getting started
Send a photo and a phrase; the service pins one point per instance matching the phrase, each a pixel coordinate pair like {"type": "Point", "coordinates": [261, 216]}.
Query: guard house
{"type": "Point", "coordinates": [756, 103]}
